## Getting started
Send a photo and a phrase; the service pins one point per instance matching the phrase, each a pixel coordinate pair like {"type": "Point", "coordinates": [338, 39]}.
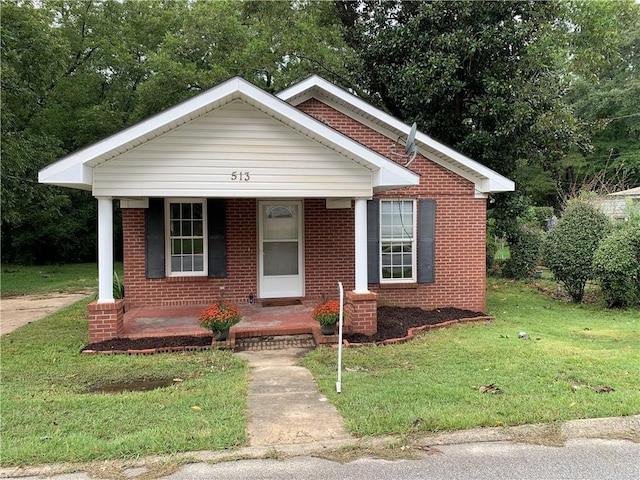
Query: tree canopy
{"type": "Point", "coordinates": [543, 92]}
{"type": "Point", "coordinates": [76, 71]}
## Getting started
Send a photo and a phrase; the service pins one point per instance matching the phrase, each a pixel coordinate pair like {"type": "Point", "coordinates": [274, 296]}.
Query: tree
{"type": "Point", "coordinates": [483, 77]}
{"type": "Point", "coordinates": [76, 71]}
{"type": "Point", "coordinates": [605, 63]}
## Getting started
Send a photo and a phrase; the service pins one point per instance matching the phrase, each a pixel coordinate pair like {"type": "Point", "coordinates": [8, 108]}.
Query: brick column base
{"type": "Point", "coordinates": [361, 313]}
{"type": "Point", "coordinates": [106, 320]}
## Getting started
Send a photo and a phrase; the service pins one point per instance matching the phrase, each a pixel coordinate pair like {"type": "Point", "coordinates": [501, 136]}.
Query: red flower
{"type": "Point", "coordinates": [327, 313]}
{"type": "Point", "coordinates": [219, 316]}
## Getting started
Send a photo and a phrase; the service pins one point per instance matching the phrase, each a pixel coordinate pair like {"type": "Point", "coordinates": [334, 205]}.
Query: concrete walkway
{"type": "Point", "coordinates": [285, 406]}
{"type": "Point", "coordinates": [16, 312]}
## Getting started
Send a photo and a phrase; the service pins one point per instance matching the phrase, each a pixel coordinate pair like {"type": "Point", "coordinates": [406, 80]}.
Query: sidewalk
{"type": "Point", "coordinates": [285, 406]}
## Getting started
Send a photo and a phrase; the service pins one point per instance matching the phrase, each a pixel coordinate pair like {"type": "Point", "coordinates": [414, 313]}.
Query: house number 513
{"type": "Point", "coordinates": [240, 176]}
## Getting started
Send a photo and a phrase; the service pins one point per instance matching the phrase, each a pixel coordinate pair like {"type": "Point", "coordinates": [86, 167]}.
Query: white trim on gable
{"type": "Point", "coordinates": [76, 170]}
{"type": "Point", "coordinates": [485, 179]}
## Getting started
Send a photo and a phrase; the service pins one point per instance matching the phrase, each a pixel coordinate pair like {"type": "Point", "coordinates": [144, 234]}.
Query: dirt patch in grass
{"type": "Point", "coordinates": [393, 323]}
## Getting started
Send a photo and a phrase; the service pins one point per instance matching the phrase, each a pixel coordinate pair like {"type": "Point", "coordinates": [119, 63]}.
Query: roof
{"type": "Point", "coordinates": [632, 192]}
{"type": "Point", "coordinates": [76, 169]}
{"type": "Point", "coordinates": [485, 179]}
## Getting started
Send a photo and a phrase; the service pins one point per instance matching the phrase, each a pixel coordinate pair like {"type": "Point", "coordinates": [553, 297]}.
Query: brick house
{"type": "Point", "coordinates": [281, 197]}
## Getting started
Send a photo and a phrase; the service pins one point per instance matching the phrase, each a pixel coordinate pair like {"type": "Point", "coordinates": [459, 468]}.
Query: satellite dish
{"type": "Point", "coordinates": [410, 148]}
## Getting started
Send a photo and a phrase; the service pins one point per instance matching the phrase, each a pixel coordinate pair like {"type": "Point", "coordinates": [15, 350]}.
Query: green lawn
{"type": "Point", "coordinates": [433, 383]}
{"type": "Point", "coordinates": [49, 416]}
{"type": "Point", "coordinates": [429, 384]}
{"type": "Point", "coordinates": [21, 280]}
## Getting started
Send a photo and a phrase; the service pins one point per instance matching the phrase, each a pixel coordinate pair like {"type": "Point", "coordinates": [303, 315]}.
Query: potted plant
{"type": "Point", "coordinates": [327, 314]}
{"type": "Point", "coordinates": [219, 317]}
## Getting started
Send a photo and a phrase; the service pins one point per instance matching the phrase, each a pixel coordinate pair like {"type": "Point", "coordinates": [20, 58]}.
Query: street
{"type": "Point", "coordinates": [580, 459]}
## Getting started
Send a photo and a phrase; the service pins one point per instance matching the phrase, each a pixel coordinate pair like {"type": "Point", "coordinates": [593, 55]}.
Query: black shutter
{"type": "Point", "coordinates": [373, 240]}
{"type": "Point", "coordinates": [216, 226]}
{"type": "Point", "coordinates": [154, 263]}
{"type": "Point", "coordinates": [426, 240]}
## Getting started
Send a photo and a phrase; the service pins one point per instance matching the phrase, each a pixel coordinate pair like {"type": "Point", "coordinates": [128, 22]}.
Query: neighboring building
{"type": "Point", "coordinates": [283, 196]}
{"type": "Point", "coordinates": [616, 205]}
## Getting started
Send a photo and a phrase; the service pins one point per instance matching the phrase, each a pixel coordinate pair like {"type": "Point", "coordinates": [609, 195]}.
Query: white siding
{"type": "Point", "coordinates": [197, 160]}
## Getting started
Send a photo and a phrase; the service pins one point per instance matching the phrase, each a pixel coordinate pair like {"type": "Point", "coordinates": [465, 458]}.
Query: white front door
{"type": "Point", "coordinates": [280, 252]}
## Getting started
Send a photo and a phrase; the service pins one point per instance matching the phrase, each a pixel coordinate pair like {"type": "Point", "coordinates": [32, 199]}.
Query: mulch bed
{"type": "Point", "coordinates": [393, 323]}
{"type": "Point", "coordinates": [141, 344]}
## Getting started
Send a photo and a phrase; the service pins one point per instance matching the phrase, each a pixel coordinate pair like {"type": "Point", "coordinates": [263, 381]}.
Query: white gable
{"type": "Point", "coordinates": [234, 151]}
{"type": "Point", "coordinates": [130, 159]}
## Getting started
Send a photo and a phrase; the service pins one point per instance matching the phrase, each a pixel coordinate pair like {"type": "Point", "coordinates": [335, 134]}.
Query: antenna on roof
{"type": "Point", "coordinates": [410, 148]}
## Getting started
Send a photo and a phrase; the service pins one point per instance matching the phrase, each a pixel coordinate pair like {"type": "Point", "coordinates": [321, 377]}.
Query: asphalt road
{"type": "Point", "coordinates": [580, 459]}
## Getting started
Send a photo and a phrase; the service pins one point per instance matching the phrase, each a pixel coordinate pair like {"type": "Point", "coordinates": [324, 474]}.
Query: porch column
{"type": "Point", "coordinates": [362, 284]}
{"type": "Point", "coordinates": [105, 250]}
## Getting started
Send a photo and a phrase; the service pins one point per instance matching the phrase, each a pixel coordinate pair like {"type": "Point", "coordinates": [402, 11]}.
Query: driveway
{"type": "Point", "coordinates": [16, 312]}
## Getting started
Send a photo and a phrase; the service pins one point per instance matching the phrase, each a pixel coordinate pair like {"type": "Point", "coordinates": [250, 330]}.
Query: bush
{"type": "Point", "coordinates": [492, 249]}
{"type": "Point", "coordinates": [616, 266]}
{"type": "Point", "coordinates": [525, 252]}
{"type": "Point", "coordinates": [568, 249]}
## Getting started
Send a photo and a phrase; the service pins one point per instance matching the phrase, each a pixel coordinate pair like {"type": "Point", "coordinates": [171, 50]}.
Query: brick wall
{"type": "Point", "coordinates": [460, 223]}
{"type": "Point", "coordinates": [329, 249]}
{"type": "Point", "coordinates": [329, 242]}
{"type": "Point", "coordinates": [329, 254]}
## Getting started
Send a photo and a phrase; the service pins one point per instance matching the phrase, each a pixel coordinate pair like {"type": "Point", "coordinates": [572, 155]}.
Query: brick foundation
{"type": "Point", "coordinates": [106, 320]}
{"type": "Point", "coordinates": [361, 312]}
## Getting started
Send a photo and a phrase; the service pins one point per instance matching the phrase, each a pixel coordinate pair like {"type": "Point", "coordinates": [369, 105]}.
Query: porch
{"type": "Point", "coordinates": [258, 320]}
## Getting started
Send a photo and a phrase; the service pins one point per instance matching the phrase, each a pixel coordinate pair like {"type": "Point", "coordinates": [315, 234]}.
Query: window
{"type": "Point", "coordinates": [186, 232]}
{"type": "Point", "coordinates": [397, 241]}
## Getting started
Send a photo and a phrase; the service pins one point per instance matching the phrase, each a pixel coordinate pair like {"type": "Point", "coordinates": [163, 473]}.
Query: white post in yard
{"type": "Point", "coordinates": [340, 321]}
{"type": "Point", "coordinates": [105, 250]}
{"type": "Point", "coordinates": [362, 284]}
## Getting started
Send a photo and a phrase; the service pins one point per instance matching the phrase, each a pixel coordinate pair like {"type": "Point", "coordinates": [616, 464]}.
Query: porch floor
{"type": "Point", "coordinates": [257, 321]}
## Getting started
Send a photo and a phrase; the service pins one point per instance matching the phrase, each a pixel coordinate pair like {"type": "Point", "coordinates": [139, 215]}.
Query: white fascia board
{"type": "Point", "coordinates": [138, 133]}
{"type": "Point", "coordinates": [75, 176]}
{"type": "Point", "coordinates": [485, 179]}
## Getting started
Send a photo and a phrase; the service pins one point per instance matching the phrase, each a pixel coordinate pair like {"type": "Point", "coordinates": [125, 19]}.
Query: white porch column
{"type": "Point", "coordinates": [105, 250]}
{"type": "Point", "coordinates": [362, 284]}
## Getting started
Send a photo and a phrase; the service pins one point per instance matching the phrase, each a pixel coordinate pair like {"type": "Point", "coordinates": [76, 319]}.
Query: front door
{"type": "Point", "coordinates": [280, 260]}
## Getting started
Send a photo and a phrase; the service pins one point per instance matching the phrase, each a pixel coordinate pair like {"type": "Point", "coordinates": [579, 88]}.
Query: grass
{"type": "Point", "coordinates": [48, 416]}
{"type": "Point", "coordinates": [433, 383]}
{"type": "Point", "coordinates": [430, 384]}
{"type": "Point", "coordinates": [23, 280]}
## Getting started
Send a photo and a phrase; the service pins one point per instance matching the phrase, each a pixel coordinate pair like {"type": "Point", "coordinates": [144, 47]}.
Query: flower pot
{"type": "Point", "coordinates": [221, 335]}
{"type": "Point", "coordinates": [328, 329]}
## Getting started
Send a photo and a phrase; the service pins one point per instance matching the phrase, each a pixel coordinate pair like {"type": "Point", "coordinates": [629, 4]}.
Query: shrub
{"type": "Point", "coordinates": [543, 215]}
{"type": "Point", "coordinates": [616, 266]}
{"type": "Point", "coordinates": [525, 252]}
{"type": "Point", "coordinates": [568, 249]}
{"type": "Point", "coordinates": [492, 249]}
{"type": "Point", "coordinates": [118, 287]}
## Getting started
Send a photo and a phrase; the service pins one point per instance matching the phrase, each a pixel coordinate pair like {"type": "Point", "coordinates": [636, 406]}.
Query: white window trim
{"type": "Point", "coordinates": [414, 259]}
{"type": "Point", "coordinates": [167, 236]}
